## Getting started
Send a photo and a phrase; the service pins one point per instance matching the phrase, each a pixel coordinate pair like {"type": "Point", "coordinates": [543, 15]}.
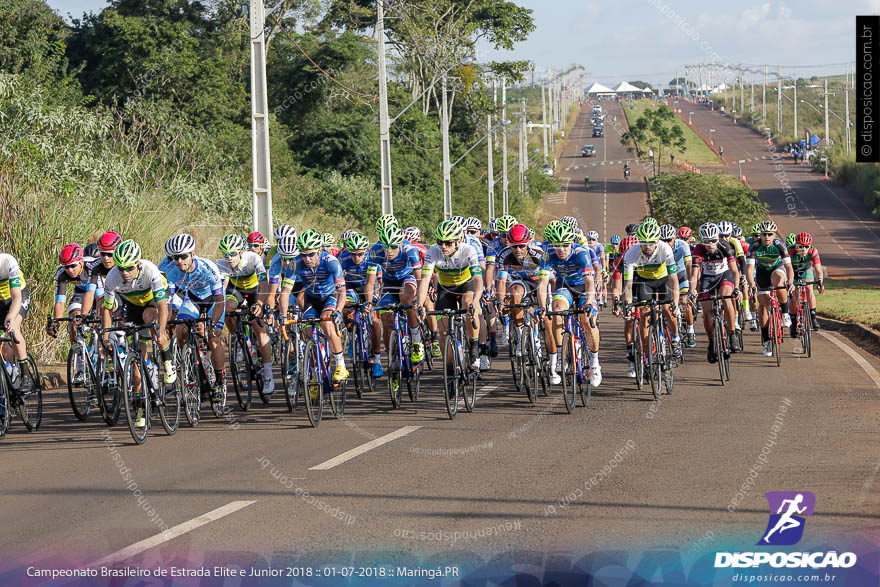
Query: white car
{"type": "Point", "coordinates": [548, 170]}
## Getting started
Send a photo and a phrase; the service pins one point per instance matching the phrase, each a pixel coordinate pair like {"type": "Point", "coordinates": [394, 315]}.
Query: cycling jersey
{"type": "Point", "coordinates": [203, 282]}
{"type": "Point", "coordinates": [276, 268]}
{"type": "Point", "coordinates": [475, 243]}
{"type": "Point", "coordinates": [319, 281]}
{"type": "Point", "coordinates": [249, 273]}
{"type": "Point", "coordinates": [571, 270]}
{"type": "Point", "coordinates": [355, 273]}
{"type": "Point", "coordinates": [81, 283]}
{"type": "Point", "coordinates": [657, 265]}
{"type": "Point", "coordinates": [398, 268]}
{"type": "Point", "coordinates": [149, 286]}
{"type": "Point", "coordinates": [10, 276]}
{"type": "Point", "coordinates": [423, 250]}
{"type": "Point", "coordinates": [97, 275]}
{"type": "Point", "coordinates": [452, 271]}
{"type": "Point", "coordinates": [598, 251]}
{"type": "Point", "coordinates": [717, 262]}
{"type": "Point", "coordinates": [494, 247]}
{"type": "Point", "coordinates": [801, 263]}
{"type": "Point", "coordinates": [771, 256]}
{"type": "Point", "coordinates": [612, 252]}
{"type": "Point", "coordinates": [682, 252]}
{"type": "Point", "coordinates": [527, 269]}
{"type": "Point", "coordinates": [737, 246]}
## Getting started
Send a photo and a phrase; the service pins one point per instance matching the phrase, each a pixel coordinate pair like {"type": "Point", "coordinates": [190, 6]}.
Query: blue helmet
{"type": "Point", "coordinates": [615, 239]}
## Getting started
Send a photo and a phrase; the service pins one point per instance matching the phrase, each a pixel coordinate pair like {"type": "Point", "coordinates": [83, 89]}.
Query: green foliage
{"type": "Point", "coordinates": [658, 127]}
{"type": "Point", "coordinates": [688, 199]}
{"type": "Point", "coordinates": [862, 177]}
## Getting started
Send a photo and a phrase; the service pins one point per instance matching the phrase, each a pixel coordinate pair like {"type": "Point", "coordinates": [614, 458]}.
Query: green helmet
{"type": "Point", "coordinates": [790, 239]}
{"type": "Point", "coordinates": [385, 220]}
{"type": "Point", "coordinates": [310, 240]}
{"type": "Point", "coordinates": [449, 230]}
{"type": "Point", "coordinates": [553, 224]}
{"type": "Point", "coordinates": [650, 220]}
{"type": "Point", "coordinates": [559, 234]}
{"type": "Point", "coordinates": [756, 228]}
{"type": "Point", "coordinates": [231, 244]}
{"type": "Point", "coordinates": [504, 223]}
{"type": "Point", "coordinates": [391, 236]}
{"type": "Point", "coordinates": [329, 239]}
{"type": "Point", "coordinates": [648, 232]}
{"type": "Point", "coordinates": [532, 233]}
{"type": "Point", "coordinates": [127, 253]}
{"type": "Point", "coordinates": [357, 242]}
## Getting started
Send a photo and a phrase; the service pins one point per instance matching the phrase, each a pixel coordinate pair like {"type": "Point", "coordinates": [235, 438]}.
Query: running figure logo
{"type": "Point", "coordinates": [786, 526]}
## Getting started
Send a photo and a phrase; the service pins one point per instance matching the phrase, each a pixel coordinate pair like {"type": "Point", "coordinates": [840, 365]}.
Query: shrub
{"type": "Point", "coordinates": [690, 200]}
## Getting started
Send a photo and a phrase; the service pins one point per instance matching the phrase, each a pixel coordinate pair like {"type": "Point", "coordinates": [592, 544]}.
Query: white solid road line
{"type": "Point", "coordinates": [170, 534]}
{"type": "Point", "coordinates": [359, 450]}
{"type": "Point", "coordinates": [865, 365]}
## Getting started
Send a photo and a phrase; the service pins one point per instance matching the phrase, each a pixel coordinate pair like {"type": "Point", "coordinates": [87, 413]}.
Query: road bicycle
{"type": "Point", "coordinates": [638, 352]}
{"type": "Point", "coordinates": [292, 350]}
{"type": "Point", "coordinates": [525, 349]}
{"type": "Point", "coordinates": [316, 382]}
{"type": "Point", "coordinates": [656, 359]}
{"type": "Point", "coordinates": [459, 380]}
{"type": "Point", "coordinates": [359, 345]}
{"type": "Point", "coordinates": [574, 360]}
{"type": "Point", "coordinates": [27, 403]}
{"type": "Point", "coordinates": [804, 322]}
{"type": "Point", "coordinates": [245, 366]}
{"type": "Point", "coordinates": [400, 367]}
{"type": "Point", "coordinates": [777, 331]}
{"type": "Point", "coordinates": [196, 371]}
{"type": "Point", "coordinates": [721, 335]}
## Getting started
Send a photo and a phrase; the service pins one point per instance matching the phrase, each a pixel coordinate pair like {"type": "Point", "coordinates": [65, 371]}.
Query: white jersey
{"type": "Point", "coordinates": [10, 275]}
{"type": "Point", "coordinates": [657, 265]}
{"type": "Point", "coordinates": [149, 285]}
{"type": "Point", "coordinates": [248, 274]}
{"type": "Point", "coordinates": [455, 270]}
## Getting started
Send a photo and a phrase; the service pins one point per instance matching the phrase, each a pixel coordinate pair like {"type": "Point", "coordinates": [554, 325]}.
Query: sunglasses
{"type": "Point", "coordinates": [710, 241]}
{"type": "Point", "coordinates": [560, 245]}
{"type": "Point", "coordinates": [104, 254]}
{"type": "Point", "coordinates": [309, 255]}
{"type": "Point", "coordinates": [230, 255]}
{"type": "Point", "coordinates": [72, 265]}
{"type": "Point", "coordinates": [768, 234]}
{"type": "Point", "coordinates": [446, 243]}
{"type": "Point", "coordinates": [357, 253]}
{"type": "Point", "coordinates": [179, 257]}
{"type": "Point", "coordinates": [390, 247]}
{"type": "Point", "coordinates": [287, 259]}
{"type": "Point", "coordinates": [519, 246]}
{"type": "Point", "coordinates": [127, 269]}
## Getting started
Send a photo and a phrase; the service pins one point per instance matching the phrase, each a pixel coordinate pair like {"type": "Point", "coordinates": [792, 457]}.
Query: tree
{"type": "Point", "coordinates": [658, 128]}
{"type": "Point", "coordinates": [640, 84]}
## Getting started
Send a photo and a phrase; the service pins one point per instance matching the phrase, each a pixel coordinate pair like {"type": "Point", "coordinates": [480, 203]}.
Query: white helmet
{"type": "Point", "coordinates": [345, 235]}
{"type": "Point", "coordinates": [725, 227]}
{"type": "Point", "coordinates": [284, 230]}
{"type": "Point", "coordinates": [459, 219]}
{"type": "Point", "coordinates": [412, 233]}
{"type": "Point", "coordinates": [592, 235]}
{"type": "Point", "coordinates": [287, 245]}
{"type": "Point", "coordinates": [182, 244]}
{"type": "Point", "coordinates": [667, 231]}
{"type": "Point", "coordinates": [709, 231]}
{"type": "Point", "coordinates": [571, 221]}
{"type": "Point", "coordinates": [472, 223]}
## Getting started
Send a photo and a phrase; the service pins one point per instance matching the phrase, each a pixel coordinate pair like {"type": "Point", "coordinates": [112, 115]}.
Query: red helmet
{"type": "Point", "coordinates": [685, 232]}
{"type": "Point", "coordinates": [804, 239]}
{"type": "Point", "coordinates": [108, 241]}
{"type": "Point", "coordinates": [70, 254]}
{"type": "Point", "coordinates": [629, 241]}
{"type": "Point", "coordinates": [519, 234]}
{"type": "Point", "coordinates": [256, 238]}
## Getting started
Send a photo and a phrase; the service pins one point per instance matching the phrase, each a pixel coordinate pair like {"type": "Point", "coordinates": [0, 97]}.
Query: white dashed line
{"type": "Point", "coordinates": [367, 446]}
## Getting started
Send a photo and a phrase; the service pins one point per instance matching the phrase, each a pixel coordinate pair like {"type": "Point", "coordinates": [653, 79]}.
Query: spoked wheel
{"type": "Point", "coordinates": [108, 373]}
{"type": "Point", "coordinates": [137, 410]}
{"type": "Point", "coordinates": [337, 399]}
{"type": "Point", "coordinates": [668, 364]}
{"type": "Point", "coordinates": [189, 381]}
{"type": "Point", "coordinates": [569, 375]}
{"type": "Point", "coordinates": [775, 328]}
{"type": "Point", "coordinates": [30, 401]}
{"type": "Point", "coordinates": [289, 376]}
{"type": "Point", "coordinates": [517, 364]}
{"type": "Point", "coordinates": [638, 357]}
{"type": "Point", "coordinates": [530, 364]}
{"type": "Point", "coordinates": [218, 406]}
{"type": "Point", "coordinates": [312, 384]}
{"type": "Point", "coordinates": [740, 325]}
{"type": "Point", "coordinates": [451, 377]}
{"type": "Point", "coordinates": [414, 383]}
{"type": "Point", "coordinates": [357, 355]}
{"type": "Point", "coordinates": [585, 389]}
{"type": "Point", "coordinates": [80, 382]}
{"type": "Point", "coordinates": [469, 382]}
{"type": "Point", "coordinates": [168, 399]}
{"type": "Point", "coordinates": [718, 343]}
{"type": "Point", "coordinates": [394, 368]}
{"type": "Point", "coordinates": [724, 358]}
{"type": "Point", "coordinates": [653, 353]}
{"type": "Point", "coordinates": [806, 335]}
{"type": "Point", "coordinates": [429, 358]}
{"type": "Point", "coordinates": [240, 369]}
{"type": "Point", "coordinates": [4, 406]}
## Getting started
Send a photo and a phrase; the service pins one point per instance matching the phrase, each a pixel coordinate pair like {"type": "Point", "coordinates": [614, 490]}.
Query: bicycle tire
{"type": "Point", "coordinates": [336, 399]}
{"type": "Point", "coordinates": [4, 405]}
{"type": "Point", "coordinates": [357, 359]}
{"type": "Point", "coordinates": [168, 400]}
{"type": "Point", "coordinates": [414, 384]}
{"type": "Point", "coordinates": [717, 338]}
{"type": "Point", "coordinates": [530, 364]}
{"type": "Point", "coordinates": [77, 393]}
{"type": "Point", "coordinates": [516, 363]}
{"type": "Point", "coordinates": [638, 356]}
{"type": "Point", "coordinates": [30, 401]}
{"type": "Point", "coordinates": [313, 385]}
{"type": "Point", "coordinates": [426, 340]}
{"type": "Point", "coordinates": [585, 388]}
{"type": "Point", "coordinates": [451, 377]}
{"type": "Point", "coordinates": [654, 373]}
{"type": "Point", "coordinates": [567, 373]}
{"type": "Point", "coordinates": [133, 402]}
{"type": "Point", "coordinates": [219, 407]}
{"type": "Point", "coordinates": [290, 376]}
{"type": "Point", "coordinates": [469, 378]}
{"type": "Point", "coordinates": [111, 404]}
{"type": "Point", "coordinates": [775, 330]}
{"type": "Point", "coordinates": [189, 374]}
{"type": "Point", "coordinates": [394, 369]}
{"type": "Point", "coordinates": [668, 369]}
{"type": "Point", "coordinates": [242, 378]}
{"type": "Point", "coordinates": [808, 336]}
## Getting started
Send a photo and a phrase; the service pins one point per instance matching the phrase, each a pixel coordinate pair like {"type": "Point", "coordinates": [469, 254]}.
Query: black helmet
{"type": "Point", "coordinates": [631, 228]}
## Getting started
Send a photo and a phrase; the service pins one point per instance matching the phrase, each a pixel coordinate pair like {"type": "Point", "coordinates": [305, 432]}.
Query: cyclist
{"type": "Point", "coordinates": [686, 234]}
{"type": "Point", "coordinates": [459, 280]}
{"type": "Point", "coordinates": [248, 287]}
{"type": "Point", "coordinates": [413, 234]}
{"type": "Point", "coordinates": [257, 243]}
{"type": "Point", "coordinates": [612, 269]}
{"type": "Point", "coordinates": [591, 241]}
{"type": "Point", "coordinates": [518, 264]}
{"type": "Point", "coordinates": [489, 316]}
{"type": "Point", "coordinates": [631, 229]}
{"type": "Point", "coordinates": [73, 269]}
{"type": "Point", "coordinates": [354, 266]}
{"type": "Point", "coordinates": [574, 270]}
{"type": "Point", "coordinates": [323, 291]}
{"type": "Point", "coordinates": [714, 268]}
{"type": "Point", "coordinates": [278, 264]}
{"type": "Point", "coordinates": [472, 226]}
{"type": "Point", "coordinates": [769, 266]}
{"type": "Point", "coordinates": [587, 183]}
{"type": "Point", "coordinates": [15, 299]}
{"type": "Point", "coordinates": [99, 268]}
{"type": "Point", "coordinates": [400, 266]}
{"type": "Point", "coordinates": [682, 253]}
{"type": "Point", "coordinates": [343, 238]}
{"type": "Point", "coordinates": [626, 170]}
{"type": "Point", "coordinates": [807, 267]}
{"type": "Point", "coordinates": [330, 244]}
{"type": "Point", "coordinates": [617, 279]}
{"type": "Point", "coordinates": [200, 286]}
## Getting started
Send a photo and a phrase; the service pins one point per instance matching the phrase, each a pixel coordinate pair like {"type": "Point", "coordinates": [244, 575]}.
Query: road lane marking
{"type": "Point", "coordinates": [867, 367]}
{"type": "Point", "coordinates": [170, 534]}
{"type": "Point", "coordinates": [359, 450]}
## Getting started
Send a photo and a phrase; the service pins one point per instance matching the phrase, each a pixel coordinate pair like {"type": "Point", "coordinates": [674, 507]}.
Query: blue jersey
{"type": "Point", "coordinates": [200, 284]}
{"type": "Point", "coordinates": [397, 269]}
{"type": "Point", "coordinates": [164, 264]}
{"type": "Point", "coordinates": [276, 269]}
{"type": "Point", "coordinates": [682, 251]}
{"type": "Point", "coordinates": [319, 281]}
{"type": "Point", "coordinates": [355, 273]}
{"type": "Point", "coordinates": [478, 247]}
{"type": "Point", "coordinates": [493, 249]}
{"type": "Point", "coordinates": [571, 270]}
{"type": "Point", "coordinates": [598, 250]}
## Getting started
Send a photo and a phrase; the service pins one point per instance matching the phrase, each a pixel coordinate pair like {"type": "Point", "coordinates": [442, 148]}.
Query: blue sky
{"type": "Point", "coordinates": [650, 39]}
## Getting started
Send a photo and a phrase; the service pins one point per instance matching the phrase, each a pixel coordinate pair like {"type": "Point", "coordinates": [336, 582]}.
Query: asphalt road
{"type": "Point", "coordinates": [626, 472]}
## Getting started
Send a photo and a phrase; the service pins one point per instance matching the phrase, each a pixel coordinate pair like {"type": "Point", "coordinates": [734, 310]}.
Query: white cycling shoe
{"type": "Point", "coordinates": [555, 378]}
{"type": "Point", "coordinates": [786, 320]}
{"type": "Point", "coordinates": [768, 350]}
{"type": "Point", "coordinates": [595, 376]}
{"type": "Point", "coordinates": [631, 372]}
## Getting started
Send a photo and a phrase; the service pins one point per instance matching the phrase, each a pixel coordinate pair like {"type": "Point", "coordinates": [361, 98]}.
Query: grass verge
{"type": "Point", "coordinates": [850, 300]}
{"type": "Point", "coordinates": [696, 152]}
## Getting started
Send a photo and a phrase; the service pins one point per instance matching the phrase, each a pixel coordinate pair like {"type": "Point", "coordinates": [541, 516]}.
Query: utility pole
{"type": "Point", "coordinates": [846, 91]}
{"type": "Point", "coordinates": [779, 101]}
{"type": "Point", "coordinates": [494, 107]}
{"type": "Point", "coordinates": [544, 118]}
{"type": "Point", "coordinates": [261, 170]}
{"type": "Point", "coordinates": [764, 97]}
{"type": "Point", "coordinates": [504, 178]}
{"type": "Point", "coordinates": [742, 96]}
{"type": "Point", "coordinates": [522, 146]}
{"type": "Point", "coordinates": [826, 94]}
{"type": "Point", "coordinates": [491, 166]}
{"type": "Point", "coordinates": [447, 170]}
{"type": "Point", "coordinates": [795, 107]}
{"type": "Point", "coordinates": [752, 100]}
{"type": "Point", "coordinates": [384, 134]}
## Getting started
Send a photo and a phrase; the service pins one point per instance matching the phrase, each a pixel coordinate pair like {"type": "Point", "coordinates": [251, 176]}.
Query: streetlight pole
{"type": "Point", "coordinates": [384, 134]}
{"type": "Point", "coordinates": [447, 170]}
{"type": "Point", "coordinates": [261, 170]}
{"type": "Point", "coordinates": [846, 90]}
{"type": "Point", "coordinates": [796, 131]}
{"type": "Point", "coordinates": [764, 97]}
{"type": "Point", "coordinates": [522, 145]}
{"type": "Point", "coordinates": [491, 172]}
{"type": "Point", "coordinates": [544, 118]}
{"type": "Point", "coordinates": [779, 102]}
{"type": "Point", "coordinates": [505, 180]}
{"type": "Point", "coordinates": [826, 94]}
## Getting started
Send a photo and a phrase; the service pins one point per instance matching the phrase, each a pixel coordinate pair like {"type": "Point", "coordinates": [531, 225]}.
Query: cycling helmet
{"type": "Point", "coordinates": [493, 225]}
{"type": "Point", "coordinates": [631, 228]}
{"type": "Point", "coordinates": [592, 235]}
{"type": "Point", "coordinates": [532, 233]}
{"type": "Point", "coordinates": [346, 234]}
{"type": "Point", "coordinates": [615, 239]}
{"type": "Point", "coordinates": [329, 239]}
{"type": "Point", "coordinates": [309, 240]}
{"type": "Point", "coordinates": [231, 244]}
{"type": "Point", "coordinates": [790, 239]}
{"type": "Point", "coordinates": [256, 238]}
{"type": "Point", "coordinates": [71, 253]}
{"type": "Point", "coordinates": [518, 234]}
{"type": "Point", "coordinates": [91, 250]}
{"type": "Point", "coordinates": [648, 233]}
{"type": "Point", "coordinates": [287, 246]}
{"type": "Point", "coordinates": [504, 223]}
{"type": "Point", "coordinates": [284, 230]}
{"type": "Point", "coordinates": [459, 219]}
{"type": "Point", "coordinates": [629, 241]}
{"type": "Point", "coordinates": [667, 232]}
{"type": "Point", "coordinates": [709, 231]}
{"type": "Point", "coordinates": [767, 226]}
{"type": "Point", "coordinates": [391, 236]}
{"type": "Point", "coordinates": [385, 220]}
{"type": "Point", "coordinates": [412, 233]}
{"type": "Point", "coordinates": [357, 242]}
{"type": "Point", "coordinates": [685, 232]}
{"type": "Point", "coordinates": [108, 241]}
{"type": "Point", "coordinates": [127, 254]}
{"type": "Point", "coordinates": [560, 234]}
{"type": "Point", "coordinates": [448, 230]}
{"type": "Point", "coordinates": [805, 239]}
{"type": "Point", "coordinates": [472, 223]}
{"type": "Point", "coordinates": [725, 227]}
{"type": "Point", "coordinates": [650, 220]}
{"type": "Point", "coordinates": [571, 221]}
{"type": "Point", "coordinates": [737, 231]}
{"type": "Point", "coordinates": [578, 231]}
{"type": "Point", "coordinates": [182, 244]}
{"type": "Point", "coordinates": [756, 228]}
{"type": "Point", "coordinates": [552, 225]}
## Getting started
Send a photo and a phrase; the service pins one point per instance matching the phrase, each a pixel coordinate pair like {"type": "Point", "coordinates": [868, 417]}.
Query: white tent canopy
{"type": "Point", "coordinates": [628, 88]}
{"type": "Point", "coordinates": [598, 88]}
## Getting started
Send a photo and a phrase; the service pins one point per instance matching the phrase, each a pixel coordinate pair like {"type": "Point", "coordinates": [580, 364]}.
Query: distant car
{"type": "Point", "coordinates": [588, 151]}
{"type": "Point", "coordinates": [548, 170]}
{"type": "Point", "coordinates": [598, 131]}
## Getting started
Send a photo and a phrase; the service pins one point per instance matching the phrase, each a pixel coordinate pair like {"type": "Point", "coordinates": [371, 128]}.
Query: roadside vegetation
{"type": "Point", "coordinates": [690, 148]}
{"type": "Point", "coordinates": [682, 199]}
{"type": "Point", "coordinates": [850, 300]}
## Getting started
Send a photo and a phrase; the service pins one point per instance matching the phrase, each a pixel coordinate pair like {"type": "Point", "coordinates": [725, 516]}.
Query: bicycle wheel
{"type": "Point", "coordinates": [109, 369]}
{"type": "Point", "coordinates": [4, 405]}
{"type": "Point", "coordinates": [413, 384]}
{"type": "Point", "coordinates": [740, 325]}
{"type": "Point", "coordinates": [653, 352]}
{"type": "Point", "coordinates": [289, 375]}
{"type": "Point", "coordinates": [356, 349]}
{"type": "Point", "coordinates": [451, 377]}
{"type": "Point", "coordinates": [638, 357]}
{"type": "Point", "coordinates": [426, 339]}
{"type": "Point", "coordinates": [168, 402]}
{"type": "Point", "coordinates": [530, 363]}
{"type": "Point", "coordinates": [668, 366]}
{"type": "Point", "coordinates": [718, 344]}
{"type": "Point", "coordinates": [807, 336]}
{"type": "Point", "coordinates": [240, 369]}
{"type": "Point", "coordinates": [568, 373]}
{"type": "Point", "coordinates": [79, 391]}
{"type": "Point", "coordinates": [516, 362]}
{"type": "Point", "coordinates": [189, 377]}
{"type": "Point", "coordinates": [775, 335]}
{"type": "Point", "coordinates": [585, 388]}
{"type": "Point", "coordinates": [394, 369]}
{"type": "Point", "coordinates": [337, 399]}
{"type": "Point", "coordinates": [136, 409]}
{"type": "Point", "coordinates": [29, 402]}
{"type": "Point", "coordinates": [313, 386]}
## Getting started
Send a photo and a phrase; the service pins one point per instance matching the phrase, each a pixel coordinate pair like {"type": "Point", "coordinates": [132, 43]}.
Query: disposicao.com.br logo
{"type": "Point", "coordinates": [785, 528]}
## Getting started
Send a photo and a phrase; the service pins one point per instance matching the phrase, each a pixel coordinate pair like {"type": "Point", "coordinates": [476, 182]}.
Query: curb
{"type": "Point", "coordinates": [866, 337]}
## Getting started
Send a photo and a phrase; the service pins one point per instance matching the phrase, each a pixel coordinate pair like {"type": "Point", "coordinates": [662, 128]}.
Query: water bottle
{"type": "Point", "coordinates": [153, 370]}
{"type": "Point", "coordinates": [12, 370]}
